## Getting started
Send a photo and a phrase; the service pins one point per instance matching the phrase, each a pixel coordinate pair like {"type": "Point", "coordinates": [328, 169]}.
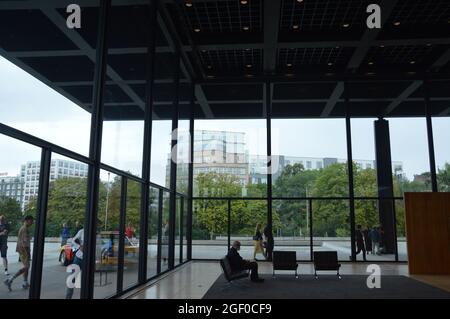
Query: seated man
{"type": "Point", "coordinates": [238, 264]}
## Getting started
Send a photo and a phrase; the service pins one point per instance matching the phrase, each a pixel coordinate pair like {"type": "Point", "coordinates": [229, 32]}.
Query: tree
{"type": "Point", "coordinates": [10, 208]}
{"type": "Point", "coordinates": [443, 178]}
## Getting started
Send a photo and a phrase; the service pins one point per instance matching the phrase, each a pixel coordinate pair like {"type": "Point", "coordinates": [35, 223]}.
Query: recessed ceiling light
{"type": "Point", "coordinates": [337, 47]}
{"type": "Point", "coordinates": [411, 73]}
{"type": "Point", "coordinates": [246, 28]}
{"type": "Point", "coordinates": [289, 74]}
{"type": "Point", "coordinates": [203, 51]}
{"type": "Point", "coordinates": [249, 75]}
{"type": "Point", "coordinates": [209, 67]}
{"type": "Point", "coordinates": [295, 26]}
{"type": "Point", "coordinates": [289, 64]}
{"type": "Point", "coordinates": [382, 46]}
{"type": "Point", "coordinates": [248, 65]}
{"type": "Point", "coordinates": [330, 63]}
{"type": "Point", "coordinates": [370, 73]}
{"type": "Point", "coordinates": [346, 25]}
{"type": "Point", "coordinates": [244, 1]}
{"type": "Point", "coordinates": [188, 4]}
{"type": "Point", "coordinates": [299, 1]}
{"type": "Point", "coordinates": [412, 62]}
{"type": "Point", "coordinates": [428, 44]}
{"type": "Point", "coordinates": [197, 30]}
{"type": "Point", "coordinates": [247, 49]}
{"type": "Point", "coordinates": [210, 76]}
{"type": "Point", "coordinates": [370, 63]}
{"type": "Point", "coordinates": [329, 74]}
{"type": "Point", "coordinates": [397, 23]}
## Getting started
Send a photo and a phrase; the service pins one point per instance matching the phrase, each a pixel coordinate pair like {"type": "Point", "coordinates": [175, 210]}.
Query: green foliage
{"type": "Point", "coordinates": [10, 208]}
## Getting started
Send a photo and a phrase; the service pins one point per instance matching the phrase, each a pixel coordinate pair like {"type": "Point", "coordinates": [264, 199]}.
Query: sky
{"type": "Point", "coordinates": [29, 105]}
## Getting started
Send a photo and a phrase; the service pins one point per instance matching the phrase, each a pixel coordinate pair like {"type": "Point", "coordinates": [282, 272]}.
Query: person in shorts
{"type": "Point", "coordinates": [4, 230]}
{"type": "Point", "coordinates": [23, 248]}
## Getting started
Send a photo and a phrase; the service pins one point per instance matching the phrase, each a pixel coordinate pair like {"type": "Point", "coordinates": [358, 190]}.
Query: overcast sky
{"type": "Point", "coordinates": [29, 105]}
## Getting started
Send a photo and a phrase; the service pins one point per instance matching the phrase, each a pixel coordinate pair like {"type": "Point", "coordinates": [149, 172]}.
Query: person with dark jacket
{"type": "Point", "coordinates": [367, 241]}
{"type": "Point", "coordinates": [237, 263]}
{"type": "Point", "coordinates": [360, 242]}
{"type": "Point", "coordinates": [268, 242]}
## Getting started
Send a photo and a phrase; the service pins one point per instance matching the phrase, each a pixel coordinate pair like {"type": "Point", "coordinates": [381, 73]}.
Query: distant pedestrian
{"type": "Point", "coordinates": [23, 248]}
{"type": "Point", "coordinates": [257, 241]}
{"type": "Point", "coordinates": [375, 238]}
{"type": "Point", "coordinates": [65, 234]}
{"type": "Point", "coordinates": [367, 241]}
{"type": "Point", "coordinates": [77, 248]}
{"type": "Point", "coordinates": [360, 242]}
{"type": "Point", "coordinates": [4, 230]}
{"type": "Point", "coordinates": [268, 242]}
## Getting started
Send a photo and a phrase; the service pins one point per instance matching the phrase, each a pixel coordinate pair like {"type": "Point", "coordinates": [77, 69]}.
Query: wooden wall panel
{"type": "Point", "coordinates": [428, 232]}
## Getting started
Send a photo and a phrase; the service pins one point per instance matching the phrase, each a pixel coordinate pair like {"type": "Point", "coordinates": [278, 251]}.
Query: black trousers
{"type": "Point", "coordinates": [359, 249]}
{"type": "Point", "coordinates": [253, 266]}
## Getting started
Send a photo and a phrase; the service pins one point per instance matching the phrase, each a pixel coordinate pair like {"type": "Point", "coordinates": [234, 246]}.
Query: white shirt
{"type": "Point", "coordinates": [75, 246]}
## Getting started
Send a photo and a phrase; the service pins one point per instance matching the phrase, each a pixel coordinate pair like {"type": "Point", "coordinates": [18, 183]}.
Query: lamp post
{"type": "Point", "coordinates": [107, 200]}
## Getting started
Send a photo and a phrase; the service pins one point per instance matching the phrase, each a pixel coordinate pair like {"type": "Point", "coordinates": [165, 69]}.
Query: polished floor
{"type": "Point", "coordinates": [192, 280]}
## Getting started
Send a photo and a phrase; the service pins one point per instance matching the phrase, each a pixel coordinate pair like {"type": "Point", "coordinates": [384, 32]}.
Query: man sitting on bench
{"type": "Point", "coordinates": [237, 263]}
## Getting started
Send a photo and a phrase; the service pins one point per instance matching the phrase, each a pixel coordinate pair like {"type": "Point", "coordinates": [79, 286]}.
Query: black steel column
{"type": "Point", "coordinates": [229, 225]}
{"type": "Point", "coordinates": [95, 147]}
{"type": "Point", "coordinates": [269, 159]}
{"type": "Point", "coordinates": [160, 229]}
{"type": "Point", "coordinates": [173, 162]}
{"type": "Point", "coordinates": [190, 176]}
{"type": "Point", "coordinates": [385, 184]}
{"type": "Point", "coordinates": [311, 237]}
{"type": "Point", "coordinates": [122, 225]}
{"type": "Point", "coordinates": [434, 185]}
{"type": "Point", "coordinates": [39, 231]}
{"type": "Point", "coordinates": [351, 193]}
{"type": "Point", "coordinates": [146, 157]}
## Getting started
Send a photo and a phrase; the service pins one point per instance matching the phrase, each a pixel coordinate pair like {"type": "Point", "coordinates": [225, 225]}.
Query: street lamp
{"type": "Point", "coordinates": [107, 199]}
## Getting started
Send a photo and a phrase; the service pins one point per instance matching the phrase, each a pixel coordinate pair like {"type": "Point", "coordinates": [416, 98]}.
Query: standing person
{"type": "Point", "coordinates": [257, 241]}
{"type": "Point", "coordinates": [77, 248]}
{"type": "Point", "coordinates": [165, 242]}
{"type": "Point", "coordinates": [269, 242]}
{"type": "Point", "coordinates": [4, 229]}
{"type": "Point", "coordinates": [78, 227]}
{"type": "Point", "coordinates": [130, 231]}
{"type": "Point", "coordinates": [367, 241]}
{"type": "Point", "coordinates": [375, 238]}
{"type": "Point", "coordinates": [65, 234]}
{"type": "Point", "coordinates": [360, 242]}
{"type": "Point", "coordinates": [23, 248]}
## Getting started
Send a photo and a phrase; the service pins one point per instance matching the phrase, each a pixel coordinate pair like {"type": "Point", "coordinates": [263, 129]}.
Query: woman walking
{"type": "Point", "coordinates": [257, 240]}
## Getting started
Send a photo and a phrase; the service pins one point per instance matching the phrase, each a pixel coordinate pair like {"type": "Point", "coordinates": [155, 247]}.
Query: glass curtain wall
{"type": "Point", "coordinates": [230, 161]}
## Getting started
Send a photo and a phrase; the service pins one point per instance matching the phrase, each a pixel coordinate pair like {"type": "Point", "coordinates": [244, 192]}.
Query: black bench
{"type": "Point", "coordinates": [285, 260]}
{"type": "Point", "coordinates": [231, 276]}
{"type": "Point", "coordinates": [326, 260]}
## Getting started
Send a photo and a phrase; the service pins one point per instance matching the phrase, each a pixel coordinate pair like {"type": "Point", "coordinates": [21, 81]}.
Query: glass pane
{"type": "Point", "coordinates": [409, 146]}
{"type": "Point", "coordinates": [291, 226]}
{"type": "Point", "coordinates": [48, 96]}
{"type": "Point", "coordinates": [441, 136]}
{"type": "Point", "coordinates": [66, 211]}
{"type": "Point", "coordinates": [107, 243]}
{"type": "Point", "coordinates": [209, 229]}
{"type": "Point", "coordinates": [230, 158]}
{"type": "Point", "coordinates": [16, 202]}
{"type": "Point", "coordinates": [311, 157]}
{"type": "Point", "coordinates": [366, 216]}
{"type": "Point", "coordinates": [178, 254]}
{"type": "Point", "coordinates": [183, 151]}
{"type": "Point", "coordinates": [152, 248]}
{"type": "Point", "coordinates": [401, 230]}
{"type": "Point", "coordinates": [364, 163]}
{"type": "Point", "coordinates": [160, 160]}
{"type": "Point", "coordinates": [331, 227]}
{"type": "Point", "coordinates": [248, 217]}
{"type": "Point", "coordinates": [132, 234]}
{"type": "Point", "coordinates": [165, 232]}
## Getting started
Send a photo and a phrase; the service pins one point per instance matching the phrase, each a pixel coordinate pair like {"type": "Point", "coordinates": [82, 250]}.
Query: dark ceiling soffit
{"type": "Point", "coordinates": [366, 42]}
